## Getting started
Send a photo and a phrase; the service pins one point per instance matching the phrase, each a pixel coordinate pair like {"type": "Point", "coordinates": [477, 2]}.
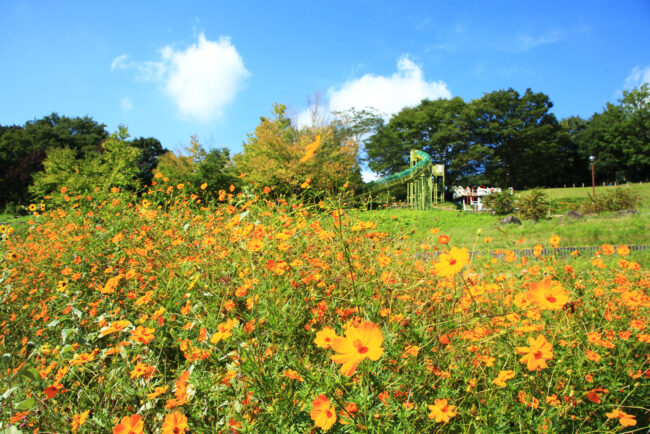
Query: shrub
{"type": "Point", "coordinates": [533, 205]}
{"type": "Point", "coordinates": [618, 199]}
{"type": "Point", "coordinates": [501, 203]}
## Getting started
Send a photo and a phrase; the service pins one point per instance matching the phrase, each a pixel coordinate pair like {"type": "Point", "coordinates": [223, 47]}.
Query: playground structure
{"type": "Point", "coordinates": [470, 197]}
{"type": "Point", "coordinates": [425, 182]}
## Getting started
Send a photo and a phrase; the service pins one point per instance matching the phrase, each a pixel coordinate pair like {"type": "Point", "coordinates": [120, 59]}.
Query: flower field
{"type": "Point", "coordinates": [174, 313]}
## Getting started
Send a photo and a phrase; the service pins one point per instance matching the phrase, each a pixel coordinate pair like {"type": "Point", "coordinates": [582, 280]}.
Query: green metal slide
{"type": "Point", "coordinates": [425, 181]}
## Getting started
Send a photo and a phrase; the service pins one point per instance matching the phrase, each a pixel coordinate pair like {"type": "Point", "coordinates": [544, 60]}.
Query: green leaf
{"type": "Point", "coordinates": [11, 430]}
{"type": "Point", "coordinates": [8, 393]}
{"type": "Point", "coordinates": [31, 373]}
{"type": "Point", "coordinates": [27, 404]}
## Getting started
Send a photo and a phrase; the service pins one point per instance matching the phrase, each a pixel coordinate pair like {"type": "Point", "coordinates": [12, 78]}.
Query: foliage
{"type": "Point", "coordinates": [533, 205]}
{"type": "Point", "coordinates": [119, 313]}
{"type": "Point", "coordinates": [501, 202]}
{"type": "Point", "coordinates": [213, 167]}
{"type": "Point", "coordinates": [522, 135]}
{"type": "Point", "coordinates": [23, 149]}
{"type": "Point", "coordinates": [439, 128]}
{"type": "Point", "coordinates": [275, 154]}
{"type": "Point", "coordinates": [150, 149]}
{"type": "Point", "coordinates": [619, 138]}
{"type": "Point", "coordinates": [115, 167]}
{"type": "Point", "coordinates": [612, 200]}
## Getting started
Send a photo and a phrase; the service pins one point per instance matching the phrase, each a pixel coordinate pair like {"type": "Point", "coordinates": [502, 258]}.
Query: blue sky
{"type": "Point", "coordinates": [212, 68]}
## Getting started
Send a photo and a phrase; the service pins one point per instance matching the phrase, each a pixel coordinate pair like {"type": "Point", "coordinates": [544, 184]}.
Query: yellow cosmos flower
{"type": "Point", "coordinates": [361, 342]}
{"type": "Point", "coordinates": [224, 331]}
{"type": "Point", "coordinates": [324, 338]}
{"type": "Point", "coordinates": [441, 411]}
{"type": "Point", "coordinates": [503, 377]}
{"type": "Point", "coordinates": [547, 294]}
{"type": "Point", "coordinates": [452, 262]}
{"type": "Point", "coordinates": [536, 354]}
{"type": "Point", "coordinates": [322, 413]}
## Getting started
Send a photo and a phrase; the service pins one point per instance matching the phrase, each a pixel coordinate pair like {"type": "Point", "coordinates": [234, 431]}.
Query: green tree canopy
{"type": "Point", "coordinates": [439, 128]}
{"type": "Point", "coordinates": [619, 138]}
{"type": "Point", "coordinates": [115, 166]}
{"type": "Point", "coordinates": [521, 133]}
{"type": "Point", "coordinates": [214, 167]}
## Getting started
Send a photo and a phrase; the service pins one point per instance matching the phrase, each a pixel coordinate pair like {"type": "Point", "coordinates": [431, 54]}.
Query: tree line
{"type": "Point", "coordinates": [507, 139]}
{"type": "Point", "coordinates": [502, 139]}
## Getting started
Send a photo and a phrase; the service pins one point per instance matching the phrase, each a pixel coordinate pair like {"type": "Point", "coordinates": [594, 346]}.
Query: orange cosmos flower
{"type": "Point", "coordinates": [79, 419]}
{"type": "Point", "coordinates": [224, 330]}
{"type": "Point", "coordinates": [503, 377]}
{"type": "Point", "coordinates": [157, 392]}
{"type": "Point", "coordinates": [536, 354]}
{"type": "Point", "coordinates": [452, 262]}
{"type": "Point", "coordinates": [324, 338]}
{"type": "Point", "coordinates": [322, 412]}
{"type": "Point", "coordinates": [359, 343]}
{"type": "Point", "coordinates": [175, 423]}
{"type": "Point", "coordinates": [607, 249]}
{"type": "Point", "coordinates": [293, 375]}
{"type": "Point", "coordinates": [116, 326]}
{"type": "Point", "coordinates": [623, 250]}
{"type": "Point", "coordinates": [443, 239]}
{"type": "Point", "coordinates": [144, 335]}
{"type": "Point", "coordinates": [623, 418]}
{"type": "Point", "coordinates": [547, 294]}
{"type": "Point", "coordinates": [129, 425]}
{"type": "Point", "coordinates": [594, 395]}
{"type": "Point", "coordinates": [441, 411]}
{"type": "Point", "coordinates": [255, 245]}
{"type": "Point", "coordinates": [555, 241]}
{"type": "Point", "coordinates": [593, 356]}
{"type": "Point", "coordinates": [142, 369]}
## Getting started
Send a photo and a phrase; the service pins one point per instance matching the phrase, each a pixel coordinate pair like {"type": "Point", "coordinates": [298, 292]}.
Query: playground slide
{"type": "Point", "coordinates": [403, 177]}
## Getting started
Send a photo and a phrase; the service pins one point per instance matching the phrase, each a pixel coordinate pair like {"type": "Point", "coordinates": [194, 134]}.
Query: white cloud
{"type": "Point", "coordinates": [386, 94]}
{"type": "Point", "coordinates": [637, 77]}
{"type": "Point", "coordinates": [202, 79]}
{"type": "Point", "coordinates": [406, 87]}
{"type": "Point", "coordinates": [369, 176]}
{"type": "Point", "coordinates": [527, 42]}
{"type": "Point", "coordinates": [120, 62]}
{"type": "Point", "coordinates": [126, 103]}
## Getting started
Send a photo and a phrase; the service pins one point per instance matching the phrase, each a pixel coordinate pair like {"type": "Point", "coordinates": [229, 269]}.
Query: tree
{"type": "Point", "coordinates": [23, 149]}
{"type": "Point", "coordinates": [521, 134]}
{"type": "Point", "coordinates": [439, 128]}
{"type": "Point", "coordinates": [116, 166]}
{"type": "Point", "coordinates": [274, 155]}
{"type": "Point", "coordinates": [199, 166]}
{"type": "Point", "coordinates": [619, 138]}
{"type": "Point", "coordinates": [150, 149]}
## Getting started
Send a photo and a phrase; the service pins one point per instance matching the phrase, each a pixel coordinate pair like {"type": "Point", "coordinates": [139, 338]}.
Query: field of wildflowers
{"type": "Point", "coordinates": [169, 312]}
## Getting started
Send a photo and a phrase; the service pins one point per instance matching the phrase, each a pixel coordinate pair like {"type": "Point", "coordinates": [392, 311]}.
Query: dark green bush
{"type": "Point", "coordinates": [501, 203]}
{"type": "Point", "coordinates": [533, 205]}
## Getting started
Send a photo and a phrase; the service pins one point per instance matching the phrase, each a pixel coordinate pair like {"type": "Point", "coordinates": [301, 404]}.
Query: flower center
{"type": "Point", "coordinates": [551, 299]}
{"type": "Point", "coordinates": [452, 261]}
{"type": "Point", "coordinates": [538, 355]}
{"type": "Point", "coordinates": [361, 348]}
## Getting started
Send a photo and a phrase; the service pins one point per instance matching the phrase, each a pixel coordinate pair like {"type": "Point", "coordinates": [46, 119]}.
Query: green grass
{"type": "Point", "coordinates": [471, 230]}
{"type": "Point", "coordinates": [578, 195]}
